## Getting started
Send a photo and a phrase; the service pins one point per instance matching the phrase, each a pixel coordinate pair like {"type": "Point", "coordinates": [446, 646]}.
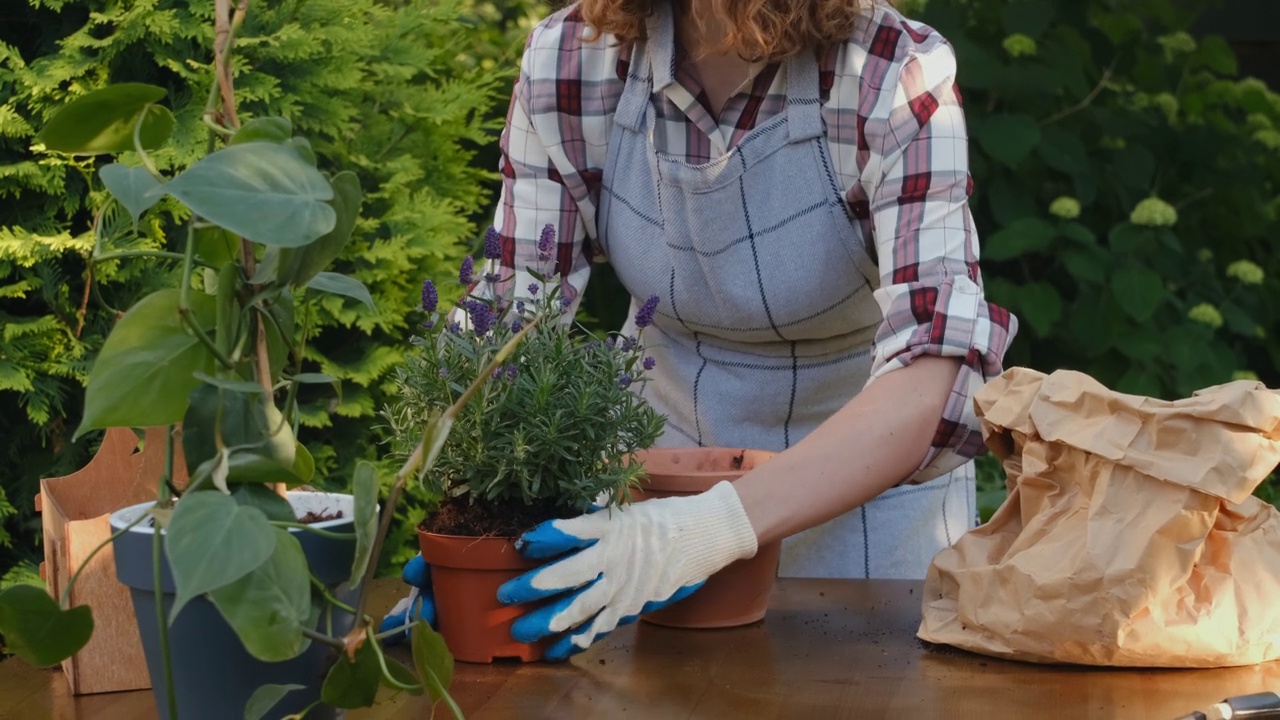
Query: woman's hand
{"type": "Point", "coordinates": [617, 564]}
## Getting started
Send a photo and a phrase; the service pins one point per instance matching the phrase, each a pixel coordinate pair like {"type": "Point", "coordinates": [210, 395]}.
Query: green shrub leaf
{"type": "Point", "coordinates": [1030, 17]}
{"type": "Point", "coordinates": [1217, 55]}
{"type": "Point", "coordinates": [103, 121]}
{"type": "Point", "coordinates": [1041, 306]}
{"type": "Point", "coordinates": [37, 630]}
{"type": "Point", "coordinates": [213, 542]}
{"type": "Point", "coordinates": [265, 698]}
{"type": "Point", "coordinates": [146, 369]}
{"type": "Point", "coordinates": [1019, 238]}
{"type": "Point", "coordinates": [260, 191]}
{"type": "Point", "coordinates": [1008, 138]}
{"type": "Point", "coordinates": [267, 607]}
{"type": "Point", "coordinates": [1139, 291]}
{"type": "Point", "coordinates": [1087, 263]}
{"type": "Point", "coordinates": [339, 284]}
{"type": "Point", "coordinates": [132, 186]}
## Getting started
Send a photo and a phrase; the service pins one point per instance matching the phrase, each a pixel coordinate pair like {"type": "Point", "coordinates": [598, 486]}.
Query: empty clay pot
{"type": "Point", "coordinates": [738, 594]}
{"type": "Point", "coordinates": [465, 575]}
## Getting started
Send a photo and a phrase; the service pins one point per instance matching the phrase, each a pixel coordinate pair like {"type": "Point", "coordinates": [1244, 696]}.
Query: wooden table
{"type": "Point", "coordinates": [828, 649]}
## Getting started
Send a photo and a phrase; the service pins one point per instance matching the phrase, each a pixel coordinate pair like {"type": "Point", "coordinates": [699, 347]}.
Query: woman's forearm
{"type": "Point", "coordinates": [874, 442]}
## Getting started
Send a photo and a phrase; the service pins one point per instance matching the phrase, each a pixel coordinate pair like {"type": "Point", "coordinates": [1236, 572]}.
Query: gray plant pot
{"type": "Point", "coordinates": [213, 674]}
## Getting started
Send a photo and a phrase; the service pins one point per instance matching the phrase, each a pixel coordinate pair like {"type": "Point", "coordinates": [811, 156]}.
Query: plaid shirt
{"type": "Point", "coordinates": [897, 139]}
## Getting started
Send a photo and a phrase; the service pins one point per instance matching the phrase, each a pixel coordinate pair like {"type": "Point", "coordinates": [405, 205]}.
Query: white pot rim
{"type": "Point", "coordinates": [303, 501]}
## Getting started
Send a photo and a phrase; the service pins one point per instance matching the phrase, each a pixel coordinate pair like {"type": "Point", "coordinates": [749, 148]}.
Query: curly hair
{"type": "Point", "coordinates": [758, 29]}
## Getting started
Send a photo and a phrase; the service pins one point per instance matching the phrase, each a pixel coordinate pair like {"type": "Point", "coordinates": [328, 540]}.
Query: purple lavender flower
{"type": "Point", "coordinates": [565, 302]}
{"type": "Point", "coordinates": [497, 373]}
{"type": "Point", "coordinates": [519, 306]}
{"type": "Point", "coordinates": [455, 327]}
{"type": "Point", "coordinates": [467, 273]}
{"type": "Point", "coordinates": [482, 318]}
{"type": "Point", "coordinates": [429, 296]}
{"type": "Point", "coordinates": [511, 372]}
{"type": "Point", "coordinates": [428, 324]}
{"type": "Point", "coordinates": [492, 277]}
{"type": "Point", "coordinates": [644, 316]}
{"type": "Point", "coordinates": [624, 381]}
{"type": "Point", "coordinates": [492, 244]}
{"type": "Point", "coordinates": [444, 371]}
{"type": "Point", "coordinates": [649, 362]}
{"type": "Point", "coordinates": [516, 325]}
{"type": "Point", "coordinates": [533, 289]}
{"type": "Point", "coordinates": [546, 242]}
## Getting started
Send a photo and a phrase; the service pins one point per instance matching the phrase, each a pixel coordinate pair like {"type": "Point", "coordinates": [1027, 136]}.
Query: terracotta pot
{"type": "Point", "coordinates": [738, 594]}
{"type": "Point", "coordinates": [465, 575]}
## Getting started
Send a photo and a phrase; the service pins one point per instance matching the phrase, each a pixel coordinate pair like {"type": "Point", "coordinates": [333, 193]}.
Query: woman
{"type": "Point", "coordinates": [792, 181]}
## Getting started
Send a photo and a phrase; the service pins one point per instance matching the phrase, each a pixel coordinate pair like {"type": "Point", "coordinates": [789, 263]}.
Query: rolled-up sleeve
{"type": "Point", "coordinates": [931, 290]}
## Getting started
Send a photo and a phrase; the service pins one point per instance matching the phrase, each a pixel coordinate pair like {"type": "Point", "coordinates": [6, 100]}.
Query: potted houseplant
{"type": "Point", "coordinates": [549, 435]}
{"type": "Point", "coordinates": [250, 591]}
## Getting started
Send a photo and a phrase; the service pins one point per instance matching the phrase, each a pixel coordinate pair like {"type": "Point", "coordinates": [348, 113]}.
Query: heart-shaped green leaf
{"type": "Point", "coordinates": [103, 121]}
{"type": "Point", "coordinates": [260, 191]}
{"type": "Point", "coordinates": [265, 499]}
{"type": "Point", "coordinates": [146, 368]}
{"type": "Point", "coordinates": [263, 449]}
{"type": "Point", "coordinates": [132, 186]}
{"type": "Point", "coordinates": [216, 246]}
{"type": "Point", "coordinates": [434, 663]}
{"type": "Point", "coordinates": [341, 285]}
{"type": "Point", "coordinates": [264, 129]}
{"type": "Point", "coordinates": [265, 698]}
{"type": "Point", "coordinates": [213, 542]}
{"type": "Point", "coordinates": [299, 265]}
{"type": "Point", "coordinates": [37, 630]}
{"type": "Point", "coordinates": [267, 607]}
{"type": "Point", "coordinates": [365, 492]}
{"type": "Point", "coordinates": [353, 685]}
{"type": "Point", "coordinates": [1041, 305]}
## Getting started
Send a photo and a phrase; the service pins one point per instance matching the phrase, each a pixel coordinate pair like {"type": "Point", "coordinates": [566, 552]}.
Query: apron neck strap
{"type": "Point", "coordinates": [804, 107]}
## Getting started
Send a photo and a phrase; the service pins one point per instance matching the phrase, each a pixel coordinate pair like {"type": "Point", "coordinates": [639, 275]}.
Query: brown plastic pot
{"type": "Point", "coordinates": [465, 575]}
{"type": "Point", "coordinates": [738, 594]}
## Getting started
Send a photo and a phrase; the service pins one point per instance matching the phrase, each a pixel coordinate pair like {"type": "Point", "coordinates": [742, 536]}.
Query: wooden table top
{"type": "Point", "coordinates": [827, 649]}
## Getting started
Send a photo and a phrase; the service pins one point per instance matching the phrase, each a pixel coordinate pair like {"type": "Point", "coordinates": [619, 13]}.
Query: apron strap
{"type": "Point", "coordinates": [804, 108]}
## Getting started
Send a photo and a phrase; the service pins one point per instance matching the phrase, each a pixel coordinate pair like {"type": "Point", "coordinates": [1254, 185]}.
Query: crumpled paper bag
{"type": "Point", "coordinates": [1129, 537]}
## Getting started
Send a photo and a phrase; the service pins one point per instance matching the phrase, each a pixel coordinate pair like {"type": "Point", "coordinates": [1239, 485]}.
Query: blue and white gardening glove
{"type": "Point", "coordinates": [419, 605]}
{"type": "Point", "coordinates": [623, 563]}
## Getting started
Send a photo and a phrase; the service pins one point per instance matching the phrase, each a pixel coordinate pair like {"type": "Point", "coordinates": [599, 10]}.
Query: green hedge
{"type": "Point", "coordinates": [1127, 192]}
{"type": "Point", "coordinates": [405, 93]}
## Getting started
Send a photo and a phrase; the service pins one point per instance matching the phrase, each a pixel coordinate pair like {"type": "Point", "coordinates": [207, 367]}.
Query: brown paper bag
{"type": "Point", "coordinates": [1129, 538]}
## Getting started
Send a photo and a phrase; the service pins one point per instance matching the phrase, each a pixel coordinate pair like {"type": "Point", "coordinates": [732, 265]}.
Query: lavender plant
{"type": "Point", "coordinates": [553, 429]}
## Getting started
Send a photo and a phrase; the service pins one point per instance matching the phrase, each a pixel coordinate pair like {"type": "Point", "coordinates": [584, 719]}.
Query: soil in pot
{"type": "Point", "coordinates": [738, 594]}
{"type": "Point", "coordinates": [471, 551]}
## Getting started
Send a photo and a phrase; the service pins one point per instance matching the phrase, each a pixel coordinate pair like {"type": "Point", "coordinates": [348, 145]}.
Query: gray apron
{"type": "Point", "coordinates": [766, 313]}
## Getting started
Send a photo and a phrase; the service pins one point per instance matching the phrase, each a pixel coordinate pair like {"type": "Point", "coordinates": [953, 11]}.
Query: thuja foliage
{"type": "Point", "coordinates": [1127, 191]}
{"type": "Point", "coordinates": [402, 94]}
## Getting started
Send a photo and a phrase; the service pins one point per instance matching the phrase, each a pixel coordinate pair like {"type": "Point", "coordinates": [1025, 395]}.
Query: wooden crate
{"type": "Point", "coordinates": [75, 512]}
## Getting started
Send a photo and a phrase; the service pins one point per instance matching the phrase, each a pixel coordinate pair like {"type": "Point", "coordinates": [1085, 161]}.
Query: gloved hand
{"type": "Point", "coordinates": [624, 562]}
{"type": "Point", "coordinates": [419, 605]}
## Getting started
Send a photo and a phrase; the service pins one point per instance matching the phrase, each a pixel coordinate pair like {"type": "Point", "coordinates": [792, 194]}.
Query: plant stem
{"type": "Point", "coordinates": [184, 300]}
{"type": "Point", "coordinates": [1088, 100]}
{"type": "Point", "coordinates": [322, 638]}
{"type": "Point", "coordinates": [142, 153]}
{"type": "Point", "coordinates": [317, 531]}
{"type": "Point", "coordinates": [157, 559]}
{"type": "Point", "coordinates": [333, 601]}
{"type": "Point", "coordinates": [386, 672]}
